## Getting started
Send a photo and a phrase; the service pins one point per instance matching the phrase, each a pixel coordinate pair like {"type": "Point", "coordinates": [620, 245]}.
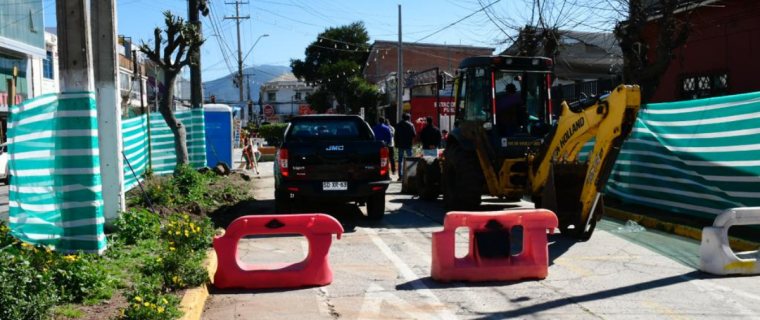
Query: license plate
{"type": "Point", "coordinates": [335, 186]}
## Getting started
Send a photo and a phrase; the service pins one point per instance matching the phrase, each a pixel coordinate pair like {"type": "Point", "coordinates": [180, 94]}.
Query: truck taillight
{"type": "Point", "coordinates": [384, 161]}
{"type": "Point", "coordinates": [282, 161]}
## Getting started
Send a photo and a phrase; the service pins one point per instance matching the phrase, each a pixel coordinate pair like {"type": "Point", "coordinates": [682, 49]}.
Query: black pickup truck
{"type": "Point", "coordinates": [332, 158]}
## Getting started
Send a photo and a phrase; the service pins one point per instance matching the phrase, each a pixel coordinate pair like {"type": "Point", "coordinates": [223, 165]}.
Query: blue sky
{"type": "Point", "coordinates": [293, 24]}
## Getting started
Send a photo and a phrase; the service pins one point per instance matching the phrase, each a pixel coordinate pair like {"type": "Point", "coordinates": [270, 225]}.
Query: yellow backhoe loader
{"type": "Point", "coordinates": [508, 143]}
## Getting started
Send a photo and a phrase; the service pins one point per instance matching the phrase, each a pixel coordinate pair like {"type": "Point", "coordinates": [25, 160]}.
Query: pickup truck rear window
{"type": "Point", "coordinates": [328, 130]}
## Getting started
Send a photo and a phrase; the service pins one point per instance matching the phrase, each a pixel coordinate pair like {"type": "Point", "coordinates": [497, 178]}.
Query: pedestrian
{"type": "Point", "coordinates": [444, 137]}
{"type": "Point", "coordinates": [430, 138]}
{"type": "Point", "coordinates": [391, 146]}
{"type": "Point", "coordinates": [382, 132]}
{"type": "Point", "coordinates": [404, 137]}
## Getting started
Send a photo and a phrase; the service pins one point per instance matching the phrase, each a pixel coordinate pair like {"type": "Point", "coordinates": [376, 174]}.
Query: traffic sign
{"type": "Point", "coordinates": [268, 111]}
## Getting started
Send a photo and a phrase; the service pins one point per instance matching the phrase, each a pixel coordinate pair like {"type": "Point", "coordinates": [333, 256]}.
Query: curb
{"type": "Point", "coordinates": [673, 228]}
{"type": "Point", "coordinates": [195, 298]}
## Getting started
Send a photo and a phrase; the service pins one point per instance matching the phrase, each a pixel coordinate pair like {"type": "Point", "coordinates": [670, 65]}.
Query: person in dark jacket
{"type": "Point", "coordinates": [403, 139]}
{"type": "Point", "coordinates": [430, 138]}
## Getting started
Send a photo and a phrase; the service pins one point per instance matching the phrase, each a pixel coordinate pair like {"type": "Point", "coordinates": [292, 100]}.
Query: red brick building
{"type": "Point", "coordinates": [383, 58]}
{"type": "Point", "coordinates": [721, 57]}
{"type": "Point", "coordinates": [382, 64]}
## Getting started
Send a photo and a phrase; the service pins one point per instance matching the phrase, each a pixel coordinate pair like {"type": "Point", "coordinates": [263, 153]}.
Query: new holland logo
{"type": "Point", "coordinates": [569, 133]}
{"type": "Point", "coordinates": [334, 148]}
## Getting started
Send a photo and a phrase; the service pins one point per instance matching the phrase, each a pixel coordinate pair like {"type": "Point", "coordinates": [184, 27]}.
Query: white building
{"type": "Point", "coordinates": [287, 95]}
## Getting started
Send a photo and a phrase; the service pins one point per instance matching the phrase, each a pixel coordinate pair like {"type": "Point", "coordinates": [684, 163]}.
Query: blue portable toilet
{"type": "Point", "coordinates": [219, 133]}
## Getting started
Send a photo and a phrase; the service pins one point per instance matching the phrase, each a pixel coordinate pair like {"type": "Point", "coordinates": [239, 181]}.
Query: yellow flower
{"type": "Point", "coordinates": [174, 279]}
{"type": "Point", "coordinates": [146, 304]}
{"type": "Point", "coordinates": [177, 233]}
{"type": "Point", "coordinates": [138, 299]}
{"type": "Point", "coordinates": [164, 301]}
{"type": "Point", "coordinates": [136, 306]}
{"type": "Point", "coordinates": [187, 217]}
{"type": "Point", "coordinates": [25, 244]}
{"type": "Point", "coordinates": [159, 260]}
{"type": "Point", "coordinates": [186, 234]}
{"type": "Point", "coordinates": [160, 310]}
{"type": "Point", "coordinates": [171, 243]}
{"type": "Point", "coordinates": [13, 260]}
{"type": "Point", "coordinates": [172, 248]}
{"type": "Point", "coordinates": [192, 225]}
{"type": "Point", "coordinates": [122, 312]}
{"type": "Point", "coordinates": [49, 251]}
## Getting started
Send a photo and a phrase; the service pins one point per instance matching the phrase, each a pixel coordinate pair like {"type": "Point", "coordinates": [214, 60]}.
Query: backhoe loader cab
{"type": "Point", "coordinates": [509, 142]}
{"type": "Point", "coordinates": [509, 98]}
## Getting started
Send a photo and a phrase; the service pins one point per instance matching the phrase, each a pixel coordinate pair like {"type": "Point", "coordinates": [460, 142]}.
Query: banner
{"type": "Point", "coordinates": [55, 194]}
{"type": "Point", "coordinates": [694, 157]}
{"type": "Point", "coordinates": [164, 159]}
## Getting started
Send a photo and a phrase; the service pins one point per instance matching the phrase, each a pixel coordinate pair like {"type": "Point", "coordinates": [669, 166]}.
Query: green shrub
{"type": "Point", "coordinates": [146, 303]}
{"type": "Point", "coordinates": [161, 191]}
{"type": "Point", "coordinates": [185, 234]}
{"type": "Point", "coordinates": [274, 130]}
{"type": "Point", "coordinates": [80, 277]}
{"type": "Point", "coordinates": [25, 292]}
{"type": "Point", "coordinates": [176, 269]}
{"type": "Point", "coordinates": [5, 235]}
{"type": "Point", "coordinates": [192, 185]}
{"type": "Point", "coordinates": [137, 224]}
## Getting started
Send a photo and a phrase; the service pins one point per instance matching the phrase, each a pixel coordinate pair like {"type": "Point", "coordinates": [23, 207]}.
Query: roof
{"type": "Point", "coordinates": [431, 45]}
{"type": "Point", "coordinates": [602, 40]}
{"type": "Point", "coordinates": [653, 6]}
{"type": "Point", "coordinates": [288, 77]}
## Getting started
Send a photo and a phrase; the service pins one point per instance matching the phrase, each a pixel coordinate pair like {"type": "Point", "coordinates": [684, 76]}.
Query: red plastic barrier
{"type": "Point", "coordinates": [532, 262]}
{"type": "Point", "coordinates": [312, 271]}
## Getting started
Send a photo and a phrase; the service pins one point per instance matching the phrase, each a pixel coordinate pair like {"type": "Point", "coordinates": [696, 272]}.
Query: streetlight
{"type": "Point", "coordinates": [254, 45]}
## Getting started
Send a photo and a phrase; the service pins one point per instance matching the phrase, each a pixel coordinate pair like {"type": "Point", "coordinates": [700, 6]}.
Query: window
{"type": "Point", "coordinates": [271, 96]}
{"type": "Point", "coordinates": [478, 98]}
{"type": "Point", "coordinates": [47, 66]}
{"type": "Point", "coordinates": [700, 86]}
{"type": "Point", "coordinates": [328, 130]}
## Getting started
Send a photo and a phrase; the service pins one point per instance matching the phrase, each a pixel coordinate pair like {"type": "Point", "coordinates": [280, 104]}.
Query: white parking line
{"type": "Point", "coordinates": [410, 277]}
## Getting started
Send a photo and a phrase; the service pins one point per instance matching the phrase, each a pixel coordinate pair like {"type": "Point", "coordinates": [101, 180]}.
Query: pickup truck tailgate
{"type": "Point", "coordinates": [335, 161]}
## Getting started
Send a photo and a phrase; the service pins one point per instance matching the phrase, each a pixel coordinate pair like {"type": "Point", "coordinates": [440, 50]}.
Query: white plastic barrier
{"type": "Point", "coordinates": [716, 254]}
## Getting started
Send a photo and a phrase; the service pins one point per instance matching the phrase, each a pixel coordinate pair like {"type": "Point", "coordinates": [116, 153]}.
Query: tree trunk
{"type": "Point", "coordinates": [178, 129]}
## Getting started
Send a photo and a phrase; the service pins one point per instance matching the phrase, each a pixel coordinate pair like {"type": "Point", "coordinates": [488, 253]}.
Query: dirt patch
{"type": "Point", "coordinates": [104, 310]}
{"type": "Point", "coordinates": [221, 194]}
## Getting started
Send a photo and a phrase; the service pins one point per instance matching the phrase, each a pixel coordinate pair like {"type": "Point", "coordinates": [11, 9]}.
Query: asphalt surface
{"type": "Point", "coordinates": [4, 202]}
{"type": "Point", "coordinates": [382, 271]}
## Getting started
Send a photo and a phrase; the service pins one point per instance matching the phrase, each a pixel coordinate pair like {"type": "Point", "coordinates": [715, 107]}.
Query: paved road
{"type": "Point", "coordinates": [4, 202]}
{"type": "Point", "coordinates": [381, 271]}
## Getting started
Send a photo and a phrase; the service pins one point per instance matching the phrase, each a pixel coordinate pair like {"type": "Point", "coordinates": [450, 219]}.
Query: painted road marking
{"type": "Point", "coordinates": [411, 277]}
{"type": "Point", "coordinates": [664, 310]}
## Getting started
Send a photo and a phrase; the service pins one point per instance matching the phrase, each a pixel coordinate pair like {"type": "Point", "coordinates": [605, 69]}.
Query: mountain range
{"type": "Point", "coordinates": [224, 90]}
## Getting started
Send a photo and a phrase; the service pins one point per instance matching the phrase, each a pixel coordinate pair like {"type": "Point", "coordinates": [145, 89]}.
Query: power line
{"type": "Point", "coordinates": [458, 21]}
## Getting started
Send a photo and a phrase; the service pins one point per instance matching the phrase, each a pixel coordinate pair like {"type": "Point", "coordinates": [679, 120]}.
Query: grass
{"type": "Point", "coordinates": [68, 311]}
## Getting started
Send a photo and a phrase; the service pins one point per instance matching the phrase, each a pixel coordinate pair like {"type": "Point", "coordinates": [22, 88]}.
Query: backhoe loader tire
{"type": "Point", "coordinates": [428, 179]}
{"type": "Point", "coordinates": [462, 179]}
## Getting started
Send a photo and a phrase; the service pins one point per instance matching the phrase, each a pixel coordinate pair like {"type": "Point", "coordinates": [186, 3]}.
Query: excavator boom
{"type": "Point", "coordinates": [559, 179]}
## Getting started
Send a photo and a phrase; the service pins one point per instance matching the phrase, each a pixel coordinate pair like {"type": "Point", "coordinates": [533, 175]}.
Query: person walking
{"type": "Point", "coordinates": [430, 137]}
{"type": "Point", "coordinates": [382, 132]}
{"type": "Point", "coordinates": [391, 146]}
{"type": "Point", "coordinates": [404, 137]}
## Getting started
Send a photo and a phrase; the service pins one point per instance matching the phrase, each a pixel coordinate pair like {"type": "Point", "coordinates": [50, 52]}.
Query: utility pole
{"type": "Point", "coordinates": [106, 63]}
{"type": "Point", "coordinates": [194, 9]}
{"type": "Point", "coordinates": [237, 17]}
{"type": "Point", "coordinates": [400, 73]}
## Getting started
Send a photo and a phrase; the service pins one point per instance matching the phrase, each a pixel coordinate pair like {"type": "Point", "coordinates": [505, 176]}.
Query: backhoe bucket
{"type": "Point", "coordinates": [409, 179]}
{"type": "Point", "coordinates": [561, 195]}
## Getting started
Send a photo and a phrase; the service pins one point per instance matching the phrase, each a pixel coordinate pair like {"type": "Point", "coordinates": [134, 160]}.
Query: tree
{"type": "Point", "coordinates": [333, 62]}
{"type": "Point", "coordinates": [639, 66]}
{"type": "Point", "coordinates": [182, 44]}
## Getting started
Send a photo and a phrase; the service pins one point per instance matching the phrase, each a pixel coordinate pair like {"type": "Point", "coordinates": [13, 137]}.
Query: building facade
{"type": "Point", "coordinates": [382, 65]}
{"type": "Point", "coordinates": [22, 40]}
{"type": "Point", "coordinates": [720, 56]}
{"type": "Point", "coordinates": [286, 96]}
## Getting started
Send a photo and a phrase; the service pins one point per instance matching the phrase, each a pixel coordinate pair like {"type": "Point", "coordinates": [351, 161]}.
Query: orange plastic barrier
{"type": "Point", "coordinates": [493, 261]}
{"type": "Point", "coordinates": [312, 271]}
